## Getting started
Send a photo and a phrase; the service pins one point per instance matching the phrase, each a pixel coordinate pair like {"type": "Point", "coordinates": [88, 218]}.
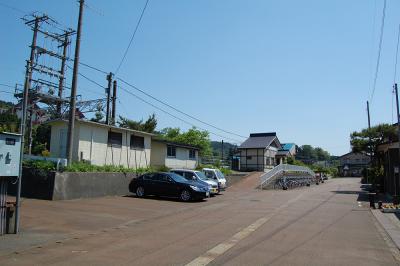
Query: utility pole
{"type": "Point", "coordinates": [27, 83]}
{"type": "Point", "coordinates": [114, 102]}
{"type": "Point", "coordinates": [62, 72]}
{"type": "Point", "coordinates": [72, 106]}
{"type": "Point", "coordinates": [109, 79]}
{"type": "Point", "coordinates": [222, 150]}
{"type": "Point", "coordinates": [398, 141]}
{"type": "Point", "coordinates": [370, 143]}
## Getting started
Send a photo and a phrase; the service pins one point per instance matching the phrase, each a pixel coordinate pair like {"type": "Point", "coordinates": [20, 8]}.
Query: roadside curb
{"type": "Point", "coordinates": [391, 226]}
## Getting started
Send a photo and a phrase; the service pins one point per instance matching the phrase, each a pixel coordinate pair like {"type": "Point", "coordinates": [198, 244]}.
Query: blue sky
{"type": "Point", "coordinates": [301, 68]}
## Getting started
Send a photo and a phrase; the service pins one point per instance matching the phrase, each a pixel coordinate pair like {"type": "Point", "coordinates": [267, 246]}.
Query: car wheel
{"type": "Point", "coordinates": [185, 195]}
{"type": "Point", "coordinates": [140, 192]}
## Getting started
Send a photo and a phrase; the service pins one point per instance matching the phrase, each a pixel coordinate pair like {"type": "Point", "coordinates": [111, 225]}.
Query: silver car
{"type": "Point", "coordinates": [199, 177]}
{"type": "Point", "coordinates": [216, 175]}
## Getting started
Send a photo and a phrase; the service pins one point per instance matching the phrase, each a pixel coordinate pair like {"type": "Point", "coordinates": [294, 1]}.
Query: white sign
{"type": "Point", "coordinates": [396, 169]}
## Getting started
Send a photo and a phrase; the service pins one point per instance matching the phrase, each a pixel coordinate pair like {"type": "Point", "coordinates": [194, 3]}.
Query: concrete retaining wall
{"type": "Point", "coordinates": [65, 186]}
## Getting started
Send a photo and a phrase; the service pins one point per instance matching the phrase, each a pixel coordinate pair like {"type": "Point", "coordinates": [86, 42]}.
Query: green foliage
{"type": "Point", "coordinates": [307, 153]}
{"type": "Point", "coordinates": [375, 174]}
{"type": "Point", "coordinates": [367, 140]}
{"type": "Point", "coordinates": [193, 137]}
{"type": "Point", "coordinates": [98, 116]}
{"type": "Point", "coordinates": [225, 171]}
{"type": "Point", "coordinates": [42, 165]}
{"type": "Point", "coordinates": [332, 171]}
{"type": "Point", "coordinates": [41, 139]}
{"type": "Point", "coordinates": [84, 167]}
{"type": "Point", "coordinates": [87, 167]}
{"type": "Point", "coordinates": [9, 122]}
{"type": "Point", "coordinates": [148, 126]}
{"type": "Point", "coordinates": [229, 149]}
{"type": "Point", "coordinates": [162, 168]}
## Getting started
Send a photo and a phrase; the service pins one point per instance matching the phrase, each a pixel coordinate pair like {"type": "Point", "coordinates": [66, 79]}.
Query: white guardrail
{"type": "Point", "coordinates": [281, 169]}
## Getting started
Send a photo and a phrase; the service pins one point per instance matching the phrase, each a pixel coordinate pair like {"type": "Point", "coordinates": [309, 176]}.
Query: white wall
{"type": "Point", "coordinates": [159, 157]}
{"type": "Point", "coordinates": [90, 142]}
{"type": "Point", "coordinates": [94, 148]}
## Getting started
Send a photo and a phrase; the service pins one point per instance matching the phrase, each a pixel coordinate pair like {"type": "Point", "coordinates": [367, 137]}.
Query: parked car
{"type": "Point", "coordinates": [168, 185]}
{"type": "Point", "coordinates": [198, 176]}
{"type": "Point", "coordinates": [216, 175]}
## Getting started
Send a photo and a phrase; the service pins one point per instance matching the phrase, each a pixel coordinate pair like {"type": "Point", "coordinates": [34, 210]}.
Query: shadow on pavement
{"type": "Point", "coordinates": [362, 195]}
{"type": "Point", "coordinates": [157, 198]}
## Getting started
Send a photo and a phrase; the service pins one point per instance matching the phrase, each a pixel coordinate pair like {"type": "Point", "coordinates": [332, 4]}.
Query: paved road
{"type": "Point", "coordinates": [321, 225]}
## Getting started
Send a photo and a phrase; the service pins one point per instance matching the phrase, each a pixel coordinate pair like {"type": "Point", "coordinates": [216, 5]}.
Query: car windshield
{"type": "Point", "coordinates": [220, 175]}
{"type": "Point", "coordinates": [201, 175]}
{"type": "Point", "coordinates": [177, 178]}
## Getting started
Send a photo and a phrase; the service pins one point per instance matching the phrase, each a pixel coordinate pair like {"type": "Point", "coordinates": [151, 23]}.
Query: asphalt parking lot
{"type": "Point", "coordinates": [321, 225]}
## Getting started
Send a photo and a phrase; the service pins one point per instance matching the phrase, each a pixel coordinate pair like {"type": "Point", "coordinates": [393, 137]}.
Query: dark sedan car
{"type": "Point", "coordinates": [168, 185]}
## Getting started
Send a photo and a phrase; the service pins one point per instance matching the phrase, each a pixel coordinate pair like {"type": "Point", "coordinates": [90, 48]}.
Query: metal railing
{"type": "Point", "coordinates": [281, 169]}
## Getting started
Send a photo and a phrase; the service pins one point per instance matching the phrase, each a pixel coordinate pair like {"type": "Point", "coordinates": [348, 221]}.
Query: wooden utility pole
{"type": "Point", "coordinates": [398, 141]}
{"type": "Point", "coordinates": [27, 85]}
{"type": "Point", "coordinates": [370, 142]}
{"type": "Point", "coordinates": [62, 72]}
{"type": "Point", "coordinates": [72, 106]}
{"type": "Point", "coordinates": [114, 102]}
{"type": "Point", "coordinates": [109, 79]}
{"type": "Point", "coordinates": [222, 150]}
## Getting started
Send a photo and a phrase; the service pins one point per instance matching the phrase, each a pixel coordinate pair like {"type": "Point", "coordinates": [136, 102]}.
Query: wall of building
{"type": "Point", "coordinates": [354, 158]}
{"type": "Point", "coordinates": [90, 144]}
{"type": "Point", "coordinates": [159, 157]}
{"type": "Point", "coordinates": [181, 160]}
{"type": "Point", "coordinates": [257, 159]}
{"type": "Point", "coordinates": [158, 154]}
{"type": "Point", "coordinates": [93, 147]}
{"type": "Point", "coordinates": [58, 140]}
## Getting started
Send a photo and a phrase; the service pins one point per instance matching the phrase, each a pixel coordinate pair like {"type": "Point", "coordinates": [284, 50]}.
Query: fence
{"type": "Point", "coordinates": [281, 169]}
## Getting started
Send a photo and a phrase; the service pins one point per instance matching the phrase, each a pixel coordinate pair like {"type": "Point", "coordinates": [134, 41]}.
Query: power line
{"type": "Point", "coordinates": [397, 53]}
{"type": "Point", "coordinates": [174, 116]}
{"type": "Point", "coordinates": [379, 50]}
{"type": "Point", "coordinates": [89, 79]}
{"type": "Point", "coordinates": [92, 67]}
{"type": "Point", "coordinates": [179, 111]}
{"type": "Point", "coordinates": [6, 85]}
{"type": "Point", "coordinates": [13, 8]}
{"type": "Point", "coordinates": [7, 92]}
{"type": "Point", "coordinates": [395, 70]}
{"type": "Point", "coordinates": [133, 36]}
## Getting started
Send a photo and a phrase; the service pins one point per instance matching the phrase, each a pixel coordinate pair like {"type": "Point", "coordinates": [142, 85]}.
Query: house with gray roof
{"type": "Point", "coordinates": [258, 152]}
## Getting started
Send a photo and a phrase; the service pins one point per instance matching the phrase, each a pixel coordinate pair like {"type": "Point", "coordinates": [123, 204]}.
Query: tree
{"type": "Point", "coordinates": [321, 154]}
{"type": "Point", "coordinates": [148, 126]}
{"type": "Point", "coordinates": [367, 140]}
{"type": "Point", "coordinates": [193, 136]}
{"type": "Point", "coordinates": [98, 117]}
{"type": "Point", "coordinates": [9, 122]}
{"type": "Point", "coordinates": [41, 139]}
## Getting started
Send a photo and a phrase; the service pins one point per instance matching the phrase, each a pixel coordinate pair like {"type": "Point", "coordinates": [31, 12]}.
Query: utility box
{"type": "Point", "coordinates": [10, 150]}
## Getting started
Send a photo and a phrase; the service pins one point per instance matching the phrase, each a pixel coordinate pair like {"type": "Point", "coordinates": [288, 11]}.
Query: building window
{"type": "Point", "coordinates": [171, 151]}
{"type": "Point", "coordinates": [114, 139]}
{"type": "Point", "coordinates": [248, 157]}
{"type": "Point", "coordinates": [137, 142]}
{"type": "Point", "coordinates": [192, 154]}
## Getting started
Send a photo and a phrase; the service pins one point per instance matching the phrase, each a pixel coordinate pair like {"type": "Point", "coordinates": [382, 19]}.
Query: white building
{"type": "Point", "coordinates": [102, 144]}
{"type": "Point", "coordinates": [173, 155]}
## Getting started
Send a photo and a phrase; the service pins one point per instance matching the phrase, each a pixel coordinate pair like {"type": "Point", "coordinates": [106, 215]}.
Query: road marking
{"type": "Point", "coordinates": [221, 248]}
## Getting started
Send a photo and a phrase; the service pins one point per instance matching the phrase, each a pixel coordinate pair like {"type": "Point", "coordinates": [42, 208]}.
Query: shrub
{"type": "Point", "coordinates": [41, 165]}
